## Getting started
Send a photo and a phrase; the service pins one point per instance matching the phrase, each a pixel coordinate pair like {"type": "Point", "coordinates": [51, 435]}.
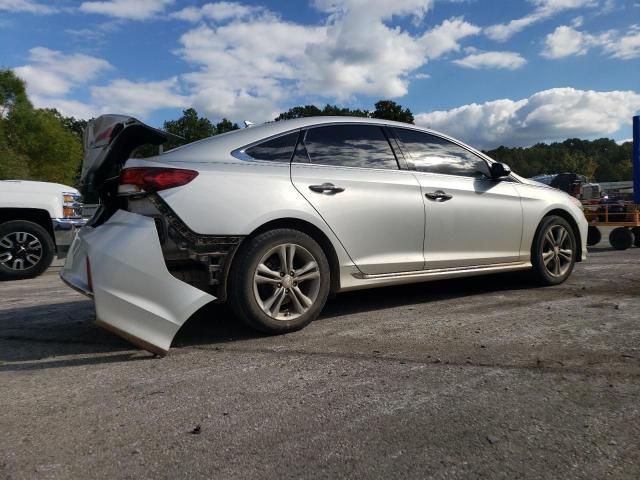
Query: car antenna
{"type": "Point", "coordinates": [248, 124]}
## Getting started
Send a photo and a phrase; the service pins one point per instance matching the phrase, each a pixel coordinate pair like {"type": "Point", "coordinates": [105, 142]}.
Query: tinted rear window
{"type": "Point", "coordinates": [278, 149]}
{"type": "Point", "coordinates": [350, 146]}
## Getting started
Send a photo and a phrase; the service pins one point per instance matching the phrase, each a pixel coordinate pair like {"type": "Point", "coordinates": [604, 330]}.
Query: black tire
{"type": "Point", "coordinates": [243, 291]}
{"type": "Point", "coordinates": [546, 274]}
{"type": "Point", "coordinates": [621, 238]}
{"type": "Point", "coordinates": [636, 236]}
{"type": "Point", "coordinates": [594, 236]}
{"type": "Point", "coordinates": [10, 234]}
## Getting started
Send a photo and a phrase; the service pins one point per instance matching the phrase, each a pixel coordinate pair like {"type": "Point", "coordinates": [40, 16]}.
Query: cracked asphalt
{"type": "Point", "coordinates": [488, 377]}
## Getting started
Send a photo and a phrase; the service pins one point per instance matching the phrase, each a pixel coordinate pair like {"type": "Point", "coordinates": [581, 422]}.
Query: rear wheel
{"type": "Point", "coordinates": [280, 282]}
{"type": "Point", "coordinates": [621, 238]}
{"type": "Point", "coordinates": [553, 253]}
{"type": "Point", "coordinates": [26, 250]}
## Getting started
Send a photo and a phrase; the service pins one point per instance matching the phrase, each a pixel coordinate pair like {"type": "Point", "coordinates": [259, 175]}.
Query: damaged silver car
{"type": "Point", "coordinates": [276, 217]}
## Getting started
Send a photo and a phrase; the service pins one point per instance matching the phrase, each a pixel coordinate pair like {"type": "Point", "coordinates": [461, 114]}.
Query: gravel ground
{"type": "Point", "coordinates": [477, 378]}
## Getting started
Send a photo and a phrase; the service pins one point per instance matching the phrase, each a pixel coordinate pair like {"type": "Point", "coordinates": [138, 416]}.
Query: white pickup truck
{"type": "Point", "coordinates": [37, 221]}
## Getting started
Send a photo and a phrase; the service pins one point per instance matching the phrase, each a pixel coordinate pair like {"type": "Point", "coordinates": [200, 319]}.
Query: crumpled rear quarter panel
{"type": "Point", "coordinates": [135, 295]}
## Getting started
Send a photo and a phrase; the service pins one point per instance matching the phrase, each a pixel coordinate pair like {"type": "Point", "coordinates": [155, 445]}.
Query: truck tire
{"type": "Point", "coordinates": [593, 236]}
{"type": "Point", "coordinates": [621, 238]}
{"type": "Point", "coordinates": [636, 235]}
{"type": "Point", "coordinates": [26, 250]}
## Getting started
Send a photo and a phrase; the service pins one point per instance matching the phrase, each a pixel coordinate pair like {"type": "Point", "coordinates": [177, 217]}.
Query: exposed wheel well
{"type": "Point", "coordinates": [574, 226]}
{"type": "Point", "coordinates": [35, 215]}
{"type": "Point", "coordinates": [315, 233]}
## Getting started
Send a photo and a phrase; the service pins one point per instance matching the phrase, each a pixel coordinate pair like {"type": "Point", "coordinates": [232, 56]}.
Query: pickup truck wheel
{"type": "Point", "coordinates": [26, 250]}
{"type": "Point", "coordinates": [280, 282]}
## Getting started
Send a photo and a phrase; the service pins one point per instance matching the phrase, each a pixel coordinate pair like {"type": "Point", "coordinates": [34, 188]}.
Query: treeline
{"type": "Point", "coordinates": [41, 144]}
{"type": "Point", "coordinates": [601, 160]}
{"type": "Point", "coordinates": [35, 143]}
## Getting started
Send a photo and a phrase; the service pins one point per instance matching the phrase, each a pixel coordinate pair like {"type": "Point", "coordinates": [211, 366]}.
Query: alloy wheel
{"type": "Point", "coordinates": [286, 282]}
{"type": "Point", "coordinates": [557, 250]}
{"type": "Point", "coordinates": [20, 251]}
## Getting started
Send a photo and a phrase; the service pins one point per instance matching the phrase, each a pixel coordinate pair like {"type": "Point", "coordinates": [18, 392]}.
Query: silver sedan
{"type": "Point", "coordinates": [274, 218]}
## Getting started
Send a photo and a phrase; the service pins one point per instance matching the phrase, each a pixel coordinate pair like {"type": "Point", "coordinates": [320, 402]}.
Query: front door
{"type": "Point", "coordinates": [471, 220]}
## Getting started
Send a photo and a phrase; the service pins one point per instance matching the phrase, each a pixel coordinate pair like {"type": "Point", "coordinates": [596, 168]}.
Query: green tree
{"type": "Point", "coordinates": [53, 152]}
{"type": "Point", "coordinates": [226, 126]}
{"type": "Point", "coordinates": [13, 93]}
{"type": "Point", "coordinates": [34, 143]}
{"type": "Point", "coordinates": [313, 111]}
{"type": "Point", "coordinates": [190, 127]}
{"type": "Point", "coordinates": [390, 110]}
{"type": "Point", "coordinates": [72, 124]}
{"type": "Point", "coordinates": [600, 160]}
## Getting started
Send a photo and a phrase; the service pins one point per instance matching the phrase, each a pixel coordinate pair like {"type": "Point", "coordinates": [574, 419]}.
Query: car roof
{"type": "Point", "coordinates": [221, 145]}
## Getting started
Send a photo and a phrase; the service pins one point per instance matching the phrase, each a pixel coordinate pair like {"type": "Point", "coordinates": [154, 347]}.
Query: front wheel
{"type": "Point", "coordinates": [26, 250]}
{"type": "Point", "coordinates": [280, 282]}
{"type": "Point", "coordinates": [553, 253]}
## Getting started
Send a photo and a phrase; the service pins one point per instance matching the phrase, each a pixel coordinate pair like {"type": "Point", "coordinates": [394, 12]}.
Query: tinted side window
{"type": "Point", "coordinates": [278, 149]}
{"type": "Point", "coordinates": [436, 155]}
{"type": "Point", "coordinates": [350, 146]}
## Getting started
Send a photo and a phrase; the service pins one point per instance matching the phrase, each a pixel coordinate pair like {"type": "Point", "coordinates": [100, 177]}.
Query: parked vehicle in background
{"type": "Point", "coordinates": [275, 217]}
{"type": "Point", "coordinates": [574, 184]}
{"type": "Point", "coordinates": [38, 220]}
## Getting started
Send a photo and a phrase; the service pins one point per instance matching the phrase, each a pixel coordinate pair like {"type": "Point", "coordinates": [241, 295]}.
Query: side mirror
{"type": "Point", "coordinates": [499, 170]}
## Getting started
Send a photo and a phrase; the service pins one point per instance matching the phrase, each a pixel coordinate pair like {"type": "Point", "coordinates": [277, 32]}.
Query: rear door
{"type": "Point", "coordinates": [471, 220]}
{"type": "Point", "coordinates": [351, 177]}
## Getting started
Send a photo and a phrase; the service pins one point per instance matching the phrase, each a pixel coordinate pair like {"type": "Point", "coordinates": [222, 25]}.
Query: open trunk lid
{"type": "Point", "coordinates": [109, 140]}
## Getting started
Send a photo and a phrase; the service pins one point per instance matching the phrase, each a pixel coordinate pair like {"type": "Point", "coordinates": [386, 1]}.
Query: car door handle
{"type": "Point", "coordinates": [329, 188]}
{"type": "Point", "coordinates": [438, 196]}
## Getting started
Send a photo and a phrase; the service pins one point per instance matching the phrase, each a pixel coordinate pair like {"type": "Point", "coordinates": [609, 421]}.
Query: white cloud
{"type": "Point", "coordinates": [248, 68]}
{"type": "Point", "coordinates": [446, 37]}
{"type": "Point", "coordinates": [217, 12]}
{"type": "Point", "coordinates": [544, 10]}
{"type": "Point", "coordinates": [28, 6]}
{"type": "Point", "coordinates": [566, 41]}
{"type": "Point", "coordinates": [129, 9]}
{"type": "Point", "coordinates": [68, 108]}
{"type": "Point", "coordinates": [503, 60]}
{"type": "Point", "coordinates": [625, 47]}
{"type": "Point", "coordinates": [549, 115]}
{"type": "Point", "coordinates": [53, 73]}
{"type": "Point", "coordinates": [246, 62]}
{"type": "Point", "coordinates": [138, 98]}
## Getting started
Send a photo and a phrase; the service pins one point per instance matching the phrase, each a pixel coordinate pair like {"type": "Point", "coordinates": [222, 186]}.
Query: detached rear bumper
{"type": "Point", "coordinates": [120, 263]}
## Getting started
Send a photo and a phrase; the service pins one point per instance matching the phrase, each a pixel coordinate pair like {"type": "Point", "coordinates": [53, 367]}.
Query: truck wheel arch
{"type": "Point", "coordinates": [35, 215]}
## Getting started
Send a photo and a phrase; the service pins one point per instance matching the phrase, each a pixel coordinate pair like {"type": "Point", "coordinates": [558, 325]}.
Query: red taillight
{"type": "Point", "coordinates": [153, 179]}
